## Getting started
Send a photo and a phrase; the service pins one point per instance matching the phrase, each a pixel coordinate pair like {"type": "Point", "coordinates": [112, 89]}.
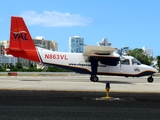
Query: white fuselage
{"type": "Point", "coordinates": [79, 63]}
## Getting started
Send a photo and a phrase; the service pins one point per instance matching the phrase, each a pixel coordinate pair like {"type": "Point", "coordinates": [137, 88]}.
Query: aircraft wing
{"type": "Point", "coordinates": [104, 54]}
{"type": "Point", "coordinates": [98, 50]}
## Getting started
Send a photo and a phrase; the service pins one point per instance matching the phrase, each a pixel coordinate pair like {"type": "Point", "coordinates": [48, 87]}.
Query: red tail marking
{"type": "Point", "coordinates": [21, 43]}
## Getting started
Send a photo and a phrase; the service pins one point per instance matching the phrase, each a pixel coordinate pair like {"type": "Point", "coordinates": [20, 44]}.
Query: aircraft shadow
{"type": "Point", "coordinates": [115, 82]}
{"type": "Point", "coordinates": [30, 80]}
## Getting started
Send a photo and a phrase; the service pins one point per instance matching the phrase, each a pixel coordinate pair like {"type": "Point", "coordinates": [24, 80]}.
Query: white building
{"type": "Point", "coordinates": [76, 44]}
{"type": "Point", "coordinates": [6, 59]}
{"type": "Point", "coordinates": [104, 42]}
{"type": "Point", "coordinates": [148, 52]}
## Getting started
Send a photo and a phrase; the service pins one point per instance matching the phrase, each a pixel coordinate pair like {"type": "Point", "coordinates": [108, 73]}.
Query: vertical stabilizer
{"type": "Point", "coordinates": [21, 43]}
{"type": "Point", "coordinates": [20, 37]}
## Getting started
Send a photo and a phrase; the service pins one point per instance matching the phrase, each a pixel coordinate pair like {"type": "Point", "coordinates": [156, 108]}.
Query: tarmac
{"type": "Point", "coordinates": [77, 82]}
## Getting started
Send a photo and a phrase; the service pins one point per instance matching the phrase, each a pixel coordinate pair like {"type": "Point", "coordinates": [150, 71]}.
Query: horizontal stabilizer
{"type": "Point", "coordinates": [14, 49]}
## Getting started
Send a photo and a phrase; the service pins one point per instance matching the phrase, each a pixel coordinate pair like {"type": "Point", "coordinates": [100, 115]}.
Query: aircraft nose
{"type": "Point", "coordinates": [151, 68]}
{"type": "Point", "coordinates": [155, 70]}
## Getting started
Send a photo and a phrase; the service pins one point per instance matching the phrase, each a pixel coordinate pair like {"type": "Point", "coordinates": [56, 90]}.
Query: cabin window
{"type": "Point", "coordinates": [125, 62]}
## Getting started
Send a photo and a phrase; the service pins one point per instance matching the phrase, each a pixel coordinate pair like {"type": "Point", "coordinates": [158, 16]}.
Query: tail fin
{"type": "Point", "coordinates": [21, 43]}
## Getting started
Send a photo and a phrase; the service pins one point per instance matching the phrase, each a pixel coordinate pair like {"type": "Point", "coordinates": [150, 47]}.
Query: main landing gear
{"type": "Point", "coordinates": [150, 79]}
{"type": "Point", "coordinates": [94, 78]}
{"type": "Point", "coordinates": [94, 66]}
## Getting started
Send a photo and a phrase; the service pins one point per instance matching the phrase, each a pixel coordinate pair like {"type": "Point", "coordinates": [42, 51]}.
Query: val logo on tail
{"type": "Point", "coordinates": [20, 35]}
{"type": "Point", "coordinates": [95, 60]}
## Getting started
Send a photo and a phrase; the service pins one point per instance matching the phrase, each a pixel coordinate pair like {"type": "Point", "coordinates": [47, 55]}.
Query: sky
{"type": "Point", "coordinates": [125, 23]}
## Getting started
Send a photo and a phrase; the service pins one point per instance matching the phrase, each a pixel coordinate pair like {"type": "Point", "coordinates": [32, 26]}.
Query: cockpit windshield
{"type": "Point", "coordinates": [135, 62]}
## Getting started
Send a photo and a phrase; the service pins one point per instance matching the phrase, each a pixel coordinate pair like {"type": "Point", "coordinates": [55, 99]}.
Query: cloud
{"type": "Point", "coordinates": [55, 19]}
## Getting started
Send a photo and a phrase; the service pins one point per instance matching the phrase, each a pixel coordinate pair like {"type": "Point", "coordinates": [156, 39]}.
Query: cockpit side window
{"type": "Point", "coordinates": [125, 62]}
{"type": "Point", "coordinates": [135, 62]}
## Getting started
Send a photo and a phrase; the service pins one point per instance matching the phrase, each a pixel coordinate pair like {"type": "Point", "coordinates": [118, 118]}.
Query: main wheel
{"type": "Point", "coordinates": [95, 78]}
{"type": "Point", "coordinates": [150, 79]}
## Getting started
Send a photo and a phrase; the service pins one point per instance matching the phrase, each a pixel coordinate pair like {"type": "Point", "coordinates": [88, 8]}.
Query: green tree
{"type": "Point", "coordinates": [19, 66]}
{"type": "Point", "coordinates": [31, 65]}
{"type": "Point", "coordinates": [2, 68]}
{"type": "Point", "coordinates": [55, 69]}
{"type": "Point", "coordinates": [158, 62]}
{"type": "Point", "coordinates": [139, 54]}
{"type": "Point", "coordinates": [12, 67]}
{"type": "Point", "coordinates": [3, 65]}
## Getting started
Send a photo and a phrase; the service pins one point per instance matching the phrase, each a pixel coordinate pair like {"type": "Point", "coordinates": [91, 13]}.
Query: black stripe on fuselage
{"type": "Point", "coordinates": [86, 71]}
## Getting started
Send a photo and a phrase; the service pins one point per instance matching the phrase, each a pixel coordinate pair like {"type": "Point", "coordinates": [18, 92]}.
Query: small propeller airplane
{"type": "Point", "coordinates": [95, 60]}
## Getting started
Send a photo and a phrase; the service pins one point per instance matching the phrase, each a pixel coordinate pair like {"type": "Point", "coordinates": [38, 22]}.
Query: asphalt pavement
{"type": "Point", "coordinates": [58, 105]}
{"type": "Point", "coordinates": [75, 97]}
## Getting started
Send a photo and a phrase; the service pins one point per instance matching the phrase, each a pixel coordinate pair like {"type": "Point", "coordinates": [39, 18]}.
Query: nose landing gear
{"type": "Point", "coordinates": [150, 79]}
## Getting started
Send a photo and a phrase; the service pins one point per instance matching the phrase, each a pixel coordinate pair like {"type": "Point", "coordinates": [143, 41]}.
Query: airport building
{"type": "Point", "coordinates": [76, 44]}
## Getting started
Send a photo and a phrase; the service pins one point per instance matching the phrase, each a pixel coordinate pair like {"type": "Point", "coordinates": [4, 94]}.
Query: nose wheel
{"type": "Point", "coordinates": [94, 78]}
{"type": "Point", "coordinates": [150, 79]}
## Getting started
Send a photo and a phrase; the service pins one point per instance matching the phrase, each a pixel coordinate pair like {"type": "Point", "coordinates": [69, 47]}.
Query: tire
{"type": "Point", "coordinates": [95, 78]}
{"type": "Point", "coordinates": [150, 79]}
